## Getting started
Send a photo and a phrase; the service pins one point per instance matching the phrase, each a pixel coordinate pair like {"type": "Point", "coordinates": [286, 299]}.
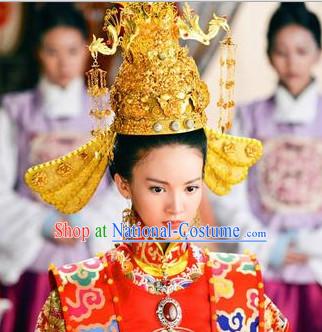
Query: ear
{"type": "Point", "coordinates": [122, 186]}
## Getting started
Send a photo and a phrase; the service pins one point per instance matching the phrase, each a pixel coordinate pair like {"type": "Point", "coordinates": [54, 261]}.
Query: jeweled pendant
{"type": "Point", "coordinates": [169, 313]}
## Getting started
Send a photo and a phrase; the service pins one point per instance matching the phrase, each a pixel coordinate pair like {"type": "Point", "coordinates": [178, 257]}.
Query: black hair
{"type": "Point", "coordinates": [290, 13]}
{"type": "Point", "coordinates": [52, 15]}
{"type": "Point", "coordinates": [129, 149]}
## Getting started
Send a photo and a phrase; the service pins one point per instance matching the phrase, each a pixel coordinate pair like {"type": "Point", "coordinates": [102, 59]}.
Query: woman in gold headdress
{"type": "Point", "coordinates": [160, 151]}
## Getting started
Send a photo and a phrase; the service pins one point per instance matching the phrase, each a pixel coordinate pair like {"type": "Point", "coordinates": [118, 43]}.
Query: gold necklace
{"type": "Point", "coordinates": [169, 311]}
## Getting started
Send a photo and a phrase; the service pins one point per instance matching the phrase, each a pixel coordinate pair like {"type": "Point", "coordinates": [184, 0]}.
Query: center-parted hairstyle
{"type": "Point", "coordinates": [53, 15]}
{"type": "Point", "coordinates": [138, 146]}
{"type": "Point", "coordinates": [293, 13]}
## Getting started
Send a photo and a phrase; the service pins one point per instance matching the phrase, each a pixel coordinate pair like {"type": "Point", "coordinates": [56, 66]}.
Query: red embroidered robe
{"type": "Point", "coordinates": [118, 292]}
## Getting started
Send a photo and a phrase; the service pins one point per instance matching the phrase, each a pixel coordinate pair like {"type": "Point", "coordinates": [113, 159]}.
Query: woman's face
{"type": "Point", "coordinates": [63, 55]}
{"type": "Point", "coordinates": [166, 185]}
{"type": "Point", "coordinates": [294, 54]}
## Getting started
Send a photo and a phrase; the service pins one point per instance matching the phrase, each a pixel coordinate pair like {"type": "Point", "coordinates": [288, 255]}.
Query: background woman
{"type": "Point", "coordinates": [284, 189]}
{"type": "Point", "coordinates": [36, 126]}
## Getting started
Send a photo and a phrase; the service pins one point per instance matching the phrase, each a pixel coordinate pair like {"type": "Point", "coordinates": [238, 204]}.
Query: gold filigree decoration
{"type": "Point", "coordinates": [39, 179]}
{"type": "Point", "coordinates": [64, 169]}
{"type": "Point", "coordinates": [166, 94]}
{"type": "Point", "coordinates": [70, 188]}
{"type": "Point", "coordinates": [228, 160]}
{"type": "Point", "coordinates": [189, 27]}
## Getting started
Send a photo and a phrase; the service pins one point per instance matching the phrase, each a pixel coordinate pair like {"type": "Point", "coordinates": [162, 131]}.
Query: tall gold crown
{"type": "Point", "coordinates": [158, 90]}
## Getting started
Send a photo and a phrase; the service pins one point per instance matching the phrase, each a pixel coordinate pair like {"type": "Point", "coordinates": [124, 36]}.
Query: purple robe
{"type": "Point", "coordinates": [36, 135]}
{"type": "Point", "coordinates": [284, 192]}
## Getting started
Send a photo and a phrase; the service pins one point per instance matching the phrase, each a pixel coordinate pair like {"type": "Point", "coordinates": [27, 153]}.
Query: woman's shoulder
{"type": "Point", "coordinates": [250, 115]}
{"type": "Point", "coordinates": [232, 258]}
{"type": "Point", "coordinates": [16, 102]}
{"type": "Point", "coordinates": [72, 284]}
{"type": "Point", "coordinates": [257, 104]}
{"type": "Point", "coordinates": [233, 269]}
{"type": "Point", "coordinates": [18, 96]}
{"type": "Point", "coordinates": [87, 271]}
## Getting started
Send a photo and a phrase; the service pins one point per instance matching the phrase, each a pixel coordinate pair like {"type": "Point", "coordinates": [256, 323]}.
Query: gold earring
{"type": "Point", "coordinates": [129, 216]}
{"type": "Point", "coordinates": [196, 220]}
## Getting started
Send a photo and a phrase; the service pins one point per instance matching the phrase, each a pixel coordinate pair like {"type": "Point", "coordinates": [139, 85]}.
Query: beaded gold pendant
{"type": "Point", "coordinates": [169, 313]}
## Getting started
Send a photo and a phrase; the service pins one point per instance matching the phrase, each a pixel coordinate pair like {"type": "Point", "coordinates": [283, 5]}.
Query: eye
{"type": "Point", "coordinates": [302, 51]}
{"type": "Point", "coordinates": [73, 51]}
{"type": "Point", "coordinates": [279, 50]}
{"type": "Point", "coordinates": [191, 189]}
{"type": "Point", "coordinates": [157, 190]}
{"type": "Point", "coordinates": [50, 51]}
{"type": "Point", "coordinates": [280, 53]}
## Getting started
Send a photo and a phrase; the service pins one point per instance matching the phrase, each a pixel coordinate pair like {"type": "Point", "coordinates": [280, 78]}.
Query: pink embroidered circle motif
{"type": "Point", "coordinates": [290, 175]}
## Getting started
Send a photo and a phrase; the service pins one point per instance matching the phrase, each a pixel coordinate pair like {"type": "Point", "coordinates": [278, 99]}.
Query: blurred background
{"type": "Point", "coordinates": [19, 70]}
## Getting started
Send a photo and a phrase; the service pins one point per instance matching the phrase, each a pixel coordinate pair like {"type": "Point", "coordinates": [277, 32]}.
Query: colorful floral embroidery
{"type": "Point", "coordinates": [219, 268]}
{"type": "Point", "coordinates": [197, 253]}
{"type": "Point", "coordinates": [123, 258]}
{"type": "Point", "coordinates": [83, 277]}
{"type": "Point", "coordinates": [226, 258]}
{"type": "Point", "coordinates": [110, 326]}
{"type": "Point", "coordinates": [86, 307]}
{"type": "Point", "coordinates": [252, 323]}
{"type": "Point", "coordinates": [86, 301]}
{"type": "Point", "coordinates": [82, 274]}
{"type": "Point", "coordinates": [149, 282]}
{"type": "Point", "coordinates": [247, 268]}
{"type": "Point", "coordinates": [223, 287]}
{"type": "Point", "coordinates": [178, 282]}
{"type": "Point", "coordinates": [252, 299]}
{"type": "Point", "coordinates": [231, 322]}
{"type": "Point", "coordinates": [68, 268]}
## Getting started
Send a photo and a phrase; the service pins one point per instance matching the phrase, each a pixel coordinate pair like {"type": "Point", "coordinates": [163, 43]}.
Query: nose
{"type": "Point", "coordinates": [292, 63]}
{"type": "Point", "coordinates": [175, 206]}
{"type": "Point", "coordinates": [63, 61]}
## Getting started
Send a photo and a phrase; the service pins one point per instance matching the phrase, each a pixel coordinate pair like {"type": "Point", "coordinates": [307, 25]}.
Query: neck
{"type": "Point", "coordinates": [164, 246]}
{"type": "Point", "coordinates": [159, 259]}
{"type": "Point", "coordinates": [297, 90]}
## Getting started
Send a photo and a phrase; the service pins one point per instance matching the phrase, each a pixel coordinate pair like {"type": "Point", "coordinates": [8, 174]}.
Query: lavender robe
{"type": "Point", "coordinates": [36, 135]}
{"type": "Point", "coordinates": [285, 195]}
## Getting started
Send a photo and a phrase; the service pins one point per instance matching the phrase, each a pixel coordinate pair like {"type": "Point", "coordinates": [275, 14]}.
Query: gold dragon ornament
{"type": "Point", "coordinates": [157, 91]}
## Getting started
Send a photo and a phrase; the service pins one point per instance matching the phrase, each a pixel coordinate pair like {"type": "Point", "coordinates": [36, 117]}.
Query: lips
{"type": "Point", "coordinates": [174, 223]}
{"type": "Point", "coordinates": [292, 76]}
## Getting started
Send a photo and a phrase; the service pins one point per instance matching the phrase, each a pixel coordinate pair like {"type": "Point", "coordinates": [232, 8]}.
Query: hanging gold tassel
{"type": "Point", "coordinates": [98, 92]}
{"type": "Point", "coordinates": [97, 78]}
{"type": "Point", "coordinates": [226, 84]}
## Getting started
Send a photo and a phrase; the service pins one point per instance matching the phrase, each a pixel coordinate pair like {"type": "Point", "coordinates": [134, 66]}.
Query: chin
{"type": "Point", "coordinates": [63, 82]}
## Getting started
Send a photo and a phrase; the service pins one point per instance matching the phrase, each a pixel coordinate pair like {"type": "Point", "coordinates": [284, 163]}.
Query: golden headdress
{"type": "Point", "coordinates": [157, 91]}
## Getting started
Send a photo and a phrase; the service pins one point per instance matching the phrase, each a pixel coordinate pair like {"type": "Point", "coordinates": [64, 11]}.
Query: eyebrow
{"type": "Point", "coordinates": [164, 182]}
